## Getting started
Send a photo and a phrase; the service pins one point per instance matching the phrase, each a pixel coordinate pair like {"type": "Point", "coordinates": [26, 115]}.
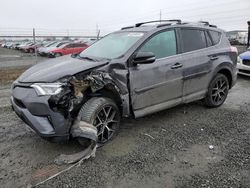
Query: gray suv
{"type": "Point", "coordinates": [133, 72]}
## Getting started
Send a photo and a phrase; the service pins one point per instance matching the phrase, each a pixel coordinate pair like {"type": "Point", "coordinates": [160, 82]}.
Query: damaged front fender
{"type": "Point", "coordinates": [80, 88]}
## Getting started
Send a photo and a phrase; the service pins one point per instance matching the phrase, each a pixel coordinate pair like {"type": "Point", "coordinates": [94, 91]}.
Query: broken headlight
{"type": "Point", "coordinates": [43, 89]}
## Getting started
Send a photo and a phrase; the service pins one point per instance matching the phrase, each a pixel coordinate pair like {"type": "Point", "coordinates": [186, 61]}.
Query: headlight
{"type": "Point", "coordinates": [47, 88]}
{"type": "Point", "coordinates": [239, 60]}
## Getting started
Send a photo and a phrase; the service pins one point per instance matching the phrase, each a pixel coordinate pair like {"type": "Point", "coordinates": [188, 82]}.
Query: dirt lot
{"type": "Point", "coordinates": [166, 149]}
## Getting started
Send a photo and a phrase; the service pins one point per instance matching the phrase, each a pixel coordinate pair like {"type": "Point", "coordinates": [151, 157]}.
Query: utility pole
{"type": "Point", "coordinates": [97, 32]}
{"type": "Point", "coordinates": [160, 16]}
{"type": "Point", "coordinates": [34, 39]}
{"type": "Point", "coordinates": [248, 34]}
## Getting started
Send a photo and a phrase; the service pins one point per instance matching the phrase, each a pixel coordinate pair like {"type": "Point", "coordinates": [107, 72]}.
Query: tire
{"type": "Point", "coordinates": [217, 91]}
{"type": "Point", "coordinates": [104, 114]}
{"type": "Point", "coordinates": [57, 55]}
{"type": "Point", "coordinates": [31, 51]}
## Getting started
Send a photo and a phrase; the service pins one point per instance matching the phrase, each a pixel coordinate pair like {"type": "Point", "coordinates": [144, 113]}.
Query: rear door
{"type": "Point", "coordinates": [158, 85]}
{"type": "Point", "coordinates": [196, 63]}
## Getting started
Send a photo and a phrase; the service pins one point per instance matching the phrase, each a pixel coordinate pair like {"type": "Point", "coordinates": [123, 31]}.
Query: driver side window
{"type": "Point", "coordinates": [161, 45]}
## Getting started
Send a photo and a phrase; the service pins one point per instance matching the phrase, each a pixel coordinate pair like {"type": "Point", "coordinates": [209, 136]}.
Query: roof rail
{"type": "Point", "coordinates": [142, 23]}
{"type": "Point", "coordinates": [128, 27]}
{"type": "Point", "coordinates": [207, 24]}
{"type": "Point", "coordinates": [163, 25]}
{"type": "Point", "coordinates": [204, 22]}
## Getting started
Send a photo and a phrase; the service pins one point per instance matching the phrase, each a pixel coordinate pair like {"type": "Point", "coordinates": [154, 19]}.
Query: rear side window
{"type": "Point", "coordinates": [161, 45]}
{"type": "Point", "coordinates": [193, 39]}
{"type": "Point", "coordinates": [69, 46]}
{"type": "Point", "coordinates": [215, 36]}
{"type": "Point", "coordinates": [209, 40]}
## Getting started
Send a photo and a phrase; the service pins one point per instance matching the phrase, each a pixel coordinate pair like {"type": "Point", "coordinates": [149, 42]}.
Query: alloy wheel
{"type": "Point", "coordinates": [106, 122]}
{"type": "Point", "coordinates": [219, 91]}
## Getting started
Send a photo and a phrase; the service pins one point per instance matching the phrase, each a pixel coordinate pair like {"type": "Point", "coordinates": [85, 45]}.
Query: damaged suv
{"type": "Point", "coordinates": [133, 72]}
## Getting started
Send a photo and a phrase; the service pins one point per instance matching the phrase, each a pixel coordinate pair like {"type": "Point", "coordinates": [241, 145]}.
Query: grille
{"type": "Point", "coordinates": [246, 62]}
{"type": "Point", "coordinates": [244, 71]}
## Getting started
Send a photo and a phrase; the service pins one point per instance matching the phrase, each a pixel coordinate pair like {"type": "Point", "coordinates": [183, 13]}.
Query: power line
{"type": "Point", "coordinates": [174, 10]}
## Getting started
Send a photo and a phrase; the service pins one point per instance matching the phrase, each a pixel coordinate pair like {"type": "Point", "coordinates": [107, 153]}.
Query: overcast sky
{"type": "Point", "coordinates": [109, 15]}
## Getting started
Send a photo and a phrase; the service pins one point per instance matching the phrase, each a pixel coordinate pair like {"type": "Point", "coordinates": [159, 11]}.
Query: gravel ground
{"type": "Point", "coordinates": [186, 146]}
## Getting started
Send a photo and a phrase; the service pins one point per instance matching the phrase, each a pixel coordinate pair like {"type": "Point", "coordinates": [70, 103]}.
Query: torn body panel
{"type": "Point", "coordinates": [87, 134]}
{"type": "Point", "coordinates": [79, 88]}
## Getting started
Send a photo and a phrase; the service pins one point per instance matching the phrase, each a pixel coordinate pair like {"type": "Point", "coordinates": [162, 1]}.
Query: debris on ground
{"type": "Point", "coordinates": [211, 147]}
{"type": "Point", "coordinates": [149, 136]}
{"type": "Point", "coordinates": [86, 133]}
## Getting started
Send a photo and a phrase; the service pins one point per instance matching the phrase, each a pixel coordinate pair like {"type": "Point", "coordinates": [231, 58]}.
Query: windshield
{"type": "Point", "coordinates": [63, 45]}
{"type": "Point", "coordinates": [50, 44]}
{"type": "Point", "coordinates": [113, 45]}
{"type": "Point", "coordinates": [60, 44]}
{"type": "Point", "coordinates": [57, 44]}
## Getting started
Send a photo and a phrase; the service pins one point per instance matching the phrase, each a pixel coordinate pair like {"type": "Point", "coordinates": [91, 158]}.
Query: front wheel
{"type": "Point", "coordinates": [57, 55]}
{"type": "Point", "coordinates": [217, 91]}
{"type": "Point", "coordinates": [104, 114]}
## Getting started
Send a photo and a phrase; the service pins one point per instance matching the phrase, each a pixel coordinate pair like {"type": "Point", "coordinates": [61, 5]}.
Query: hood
{"type": "Point", "coordinates": [245, 55]}
{"type": "Point", "coordinates": [55, 50]}
{"type": "Point", "coordinates": [52, 70]}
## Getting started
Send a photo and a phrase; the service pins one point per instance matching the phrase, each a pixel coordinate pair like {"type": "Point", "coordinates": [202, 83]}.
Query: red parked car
{"type": "Point", "coordinates": [69, 48]}
{"type": "Point", "coordinates": [30, 48]}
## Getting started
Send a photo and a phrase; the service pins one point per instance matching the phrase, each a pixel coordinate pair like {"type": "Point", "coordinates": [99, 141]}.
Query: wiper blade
{"type": "Point", "coordinates": [83, 57]}
{"type": "Point", "coordinates": [88, 58]}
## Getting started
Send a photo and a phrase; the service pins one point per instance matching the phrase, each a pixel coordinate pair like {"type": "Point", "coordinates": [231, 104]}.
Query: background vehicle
{"type": "Point", "coordinates": [244, 63]}
{"type": "Point", "coordinates": [133, 72]}
{"type": "Point", "coordinates": [24, 44]}
{"type": "Point", "coordinates": [45, 51]}
{"type": "Point", "coordinates": [71, 48]}
{"type": "Point", "coordinates": [26, 47]}
{"type": "Point", "coordinates": [237, 37]}
{"type": "Point", "coordinates": [31, 48]}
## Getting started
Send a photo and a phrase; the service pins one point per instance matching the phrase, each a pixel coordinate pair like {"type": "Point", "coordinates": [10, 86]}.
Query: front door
{"type": "Point", "coordinates": [158, 85]}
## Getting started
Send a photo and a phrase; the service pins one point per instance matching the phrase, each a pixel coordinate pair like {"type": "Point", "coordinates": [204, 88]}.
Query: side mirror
{"type": "Point", "coordinates": [144, 58]}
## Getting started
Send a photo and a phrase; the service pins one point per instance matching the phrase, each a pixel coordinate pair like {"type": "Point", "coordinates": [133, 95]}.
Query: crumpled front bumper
{"type": "Point", "coordinates": [35, 111]}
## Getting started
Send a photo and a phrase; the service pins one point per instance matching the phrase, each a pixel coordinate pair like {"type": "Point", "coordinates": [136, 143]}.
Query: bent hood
{"type": "Point", "coordinates": [52, 70]}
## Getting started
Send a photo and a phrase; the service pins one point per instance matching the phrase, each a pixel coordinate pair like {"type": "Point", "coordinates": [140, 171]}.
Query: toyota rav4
{"type": "Point", "coordinates": [133, 72]}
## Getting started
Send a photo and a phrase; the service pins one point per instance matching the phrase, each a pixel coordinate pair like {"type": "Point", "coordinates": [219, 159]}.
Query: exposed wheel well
{"type": "Point", "coordinates": [109, 91]}
{"type": "Point", "coordinates": [228, 74]}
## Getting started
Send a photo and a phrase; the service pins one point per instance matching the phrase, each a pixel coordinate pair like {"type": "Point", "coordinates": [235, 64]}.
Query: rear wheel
{"type": "Point", "coordinates": [104, 114]}
{"type": "Point", "coordinates": [217, 91]}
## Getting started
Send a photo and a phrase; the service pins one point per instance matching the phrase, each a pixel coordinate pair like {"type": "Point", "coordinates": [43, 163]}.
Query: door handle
{"type": "Point", "coordinates": [212, 58]}
{"type": "Point", "coordinates": [176, 66]}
